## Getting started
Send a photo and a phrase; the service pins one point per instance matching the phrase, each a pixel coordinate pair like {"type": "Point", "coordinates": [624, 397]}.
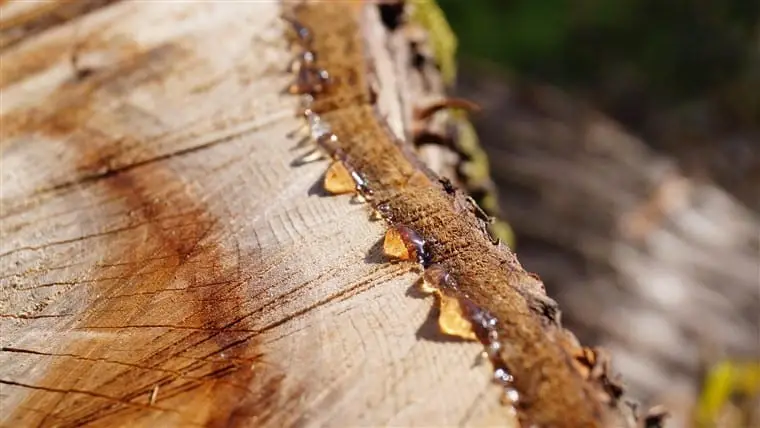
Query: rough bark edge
{"type": "Point", "coordinates": [400, 189]}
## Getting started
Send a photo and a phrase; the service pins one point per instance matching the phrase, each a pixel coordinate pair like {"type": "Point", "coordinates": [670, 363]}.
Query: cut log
{"type": "Point", "coordinates": [162, 262]}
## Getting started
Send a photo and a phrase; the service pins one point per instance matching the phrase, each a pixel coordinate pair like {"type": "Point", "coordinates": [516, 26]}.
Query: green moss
{"type": "Point", "coordinates": [723, 382]}
{"type": "Point", "coordinates": [670, 49]}
{"type": "Point", "coordinates": [427, 14]}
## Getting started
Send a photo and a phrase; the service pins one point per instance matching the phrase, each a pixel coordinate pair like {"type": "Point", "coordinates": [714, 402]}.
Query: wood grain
{"type": "Point", "coordinates": [156, 241]}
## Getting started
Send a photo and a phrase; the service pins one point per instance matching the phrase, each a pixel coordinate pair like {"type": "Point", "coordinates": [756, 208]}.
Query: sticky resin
{"type": "Point", "coordinates": [453, 319]}
{"type": "Point", "coordinates": [436, 277]}
{"type": "Point", "coordinates": [382, 211]}
{"type": "Point", "coordinates": [502, 376]}
{"type": "Point", "coordinates": [462, 318]}
{"type": "Point", "coordinates": [404, 243]}
{"type": "Point", "coordinates": [480, 322]}
{"type": "Point", "coordinates": [317, 130]}
{"type": "Point", "coordinates": [309, 79]}
{"type": "Point", "coordinates": [304, 59]}
{"type": "Point", "coordinates": [486, 326]}
{"type": "Point", "coordinates": [302, 32]}
{"type": "Point", "coordinates": [320, 131]}
{"type": "Point", "coordinates": [363, 192]}
{"type": "Point", "coordinates": [340, 178]}
{"type": "Point", "coordinates": [511, 396]}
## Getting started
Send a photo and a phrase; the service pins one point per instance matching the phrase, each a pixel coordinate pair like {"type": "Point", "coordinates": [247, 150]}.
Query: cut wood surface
{"type": "Point", "coordinates": [163, 263]}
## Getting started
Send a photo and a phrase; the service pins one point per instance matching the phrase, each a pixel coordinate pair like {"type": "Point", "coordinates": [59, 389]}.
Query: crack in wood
{"type": "Point", "coordinates": [84, 392]}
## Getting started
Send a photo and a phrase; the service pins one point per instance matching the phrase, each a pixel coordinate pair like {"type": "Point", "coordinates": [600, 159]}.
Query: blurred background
{"type": "Point", "coordinates": [624, 138]}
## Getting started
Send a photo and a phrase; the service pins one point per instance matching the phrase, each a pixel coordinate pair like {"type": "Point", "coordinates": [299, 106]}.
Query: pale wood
{"type": "Point", "coordinates": [157, 242]}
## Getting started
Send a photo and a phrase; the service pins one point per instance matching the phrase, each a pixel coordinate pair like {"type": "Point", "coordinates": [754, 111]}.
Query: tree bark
{"type": "Point", "coordinates": [164, 264]}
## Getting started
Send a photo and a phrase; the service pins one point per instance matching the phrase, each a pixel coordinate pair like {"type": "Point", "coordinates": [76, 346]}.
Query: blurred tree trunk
{"type": "Point", "coordinates": [657, 266]}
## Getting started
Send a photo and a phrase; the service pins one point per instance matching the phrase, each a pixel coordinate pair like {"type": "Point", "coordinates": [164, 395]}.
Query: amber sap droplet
{"type": "Point", "coordinates": [502, 376]}
{"type": "Point", "coordinates": [308, 57]}
{"type": "Point", "coordinates": [338, 180]}
{"type": "Point", "coordinates": [382, 211]}
{"type": "Point", "coordinates": [394, 245]}
{"type": "Point", "coordinates": [453, 320]}
{"type": "Point", "coordinates": [304, 59]}
{"type": "Point", "coordinates": [385, 211]}
{"type": "Point", "coordinates": [309, 80]}
{"type": "Point", "coordinates": [303, 82]}
{"type": "Point", "coordinates": [511, 396]}
{"type": "Point", "coordinates": [484, 319]}
{"type": "Point", "coordinates": [436, 277]}
{"type": "Point", "coordinates": [320, 131]}
{"type": "Point", "coordinates": [492, 350]}
{"type": "Point", "coordinates": [361, 185]}
{"type": "Point", "coordinates": [404, 243]}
